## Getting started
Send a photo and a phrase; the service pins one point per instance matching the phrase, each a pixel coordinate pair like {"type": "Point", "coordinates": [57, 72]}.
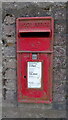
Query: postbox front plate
{"type": "Point", "coordinates": [34, 59]}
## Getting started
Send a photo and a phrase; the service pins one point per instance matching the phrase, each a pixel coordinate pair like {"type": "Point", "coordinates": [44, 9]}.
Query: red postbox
{"type": "Point", "coordinates": [34, 59]}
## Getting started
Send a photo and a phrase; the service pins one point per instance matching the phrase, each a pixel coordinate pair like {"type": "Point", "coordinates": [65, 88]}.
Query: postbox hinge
{"type": "Point", "coordinates": [22, 51]}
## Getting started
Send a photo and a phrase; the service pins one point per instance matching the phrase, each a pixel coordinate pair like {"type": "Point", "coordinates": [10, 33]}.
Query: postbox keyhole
{"type": "Point", "coordinates": [24, 76]}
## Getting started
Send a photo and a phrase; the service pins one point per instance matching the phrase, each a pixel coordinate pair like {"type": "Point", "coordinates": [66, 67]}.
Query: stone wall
{"type": "Point", "coordinates": [11, 107]}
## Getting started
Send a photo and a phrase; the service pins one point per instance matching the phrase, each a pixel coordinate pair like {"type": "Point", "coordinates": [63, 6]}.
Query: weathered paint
{"type": "Point", "coordinates": [35, 35]}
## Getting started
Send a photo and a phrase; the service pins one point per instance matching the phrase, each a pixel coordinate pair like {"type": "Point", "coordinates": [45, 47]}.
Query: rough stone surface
{"type": "Point", "coordinates": [8, 40]}
{"type": "Point", "coordinates": [11, 63]}
{"type": "Point", "coordinates": [61, 73]}
{"type": "Point", "coordinates": [9, 51]}
{"type": "Point", "coordinates": [9, 30]}
{"type": "Point", "coordinates": [10, 84]}
{"type": "Point", "coordinates": [10, 74]}
{"type": "Point", "coordinates": [11, 107]}
{"type": "Point", "coordinates": [59, 62]}
{"type": "Point", "coordinates": [9, 19]}
{"type": "Point", "coordinates": [59, 39]}
{"type": "Point", "coordinates": [60, 51]}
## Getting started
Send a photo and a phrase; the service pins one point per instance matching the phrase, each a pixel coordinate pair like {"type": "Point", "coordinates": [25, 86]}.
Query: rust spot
{"type": "Point", "coordinates": [10, 44]}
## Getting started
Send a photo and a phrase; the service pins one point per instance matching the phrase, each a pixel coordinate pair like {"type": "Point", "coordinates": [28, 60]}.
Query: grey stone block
{"type": "Point", "coordinates": [8, 40]}
{"type": "Point", "coordinates": [60, 27]}
{"type": "Point", "coordinates": [59, 75]}
{"type": "Point", "coordinates": [11, 63]}
{"type": "Point", "coordinates": [9, 19]}
{"type": "Point", "coordinates": [10, 84]}
{"type": "Point", "coordinates": [10, 99]}
{"type": "Point", "coordinates": [59, 12]}
{"type": "Point", "coordinates": [9, 51]}
{"type": "Point", "coordinates": [59, 39]}
{"type": "Point", "coordinates": [8, 30]}
{"type": "Point", "coordinates": [60, 87]}
{"type": "Point", "coordinates": [59, 62]}
{"type": "Point", "coordinates": [10, 74]}
{"type": "Point", "coordinates": [11, 113]}
{"type": "Point", "coordinates": [32, 113]}
{"type": "Point", "coordinates": [59, 106]}
{"type": "Point", "coordinates": [60, 51]}
{"type": "Point", "coordinates": [10, 95]}
{"type": "Point", "coordinates": [9, 103]}
{"type": "Point", "coordinates": [58, 98]}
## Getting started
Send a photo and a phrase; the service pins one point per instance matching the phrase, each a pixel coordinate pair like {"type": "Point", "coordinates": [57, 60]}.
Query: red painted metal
{"type": "Point", "coordinates": [35, 35]}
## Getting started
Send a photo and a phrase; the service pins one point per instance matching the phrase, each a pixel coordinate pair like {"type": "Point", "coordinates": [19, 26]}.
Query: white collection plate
{"type": "Point", "coordinates": [34, 74]}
